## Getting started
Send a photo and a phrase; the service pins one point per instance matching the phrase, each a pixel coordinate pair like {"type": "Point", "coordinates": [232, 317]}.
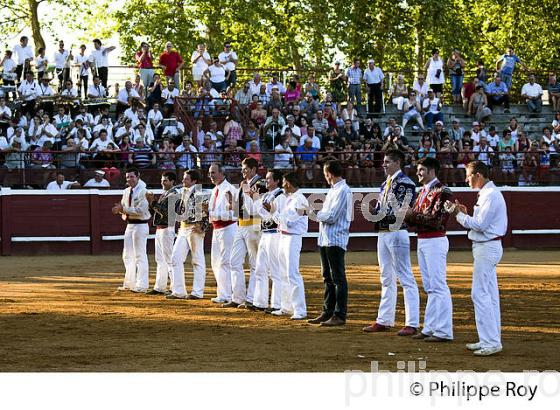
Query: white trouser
{"type": "Point", "coordinates": [134, 256]}
{"type": "Point", "coordinates": [164, 247]}
{"type": "Point", "coordinates": [393, 254]}
{"type": "Point", "coordinates": [246, 242]}
{"type": "Point", "coordinates": [186, 241]}
{"type": "Point", "coordinates": [220, 256]}
{"type": "Point", "coordinates": [399, 102]}
{"type": "Point", "coordinates": [290, 249]}
{"type": "Point", "coordinates": [485, 294]}
{"type": "Point", "coordinates": [432, 258]}
{"type": "Point", "coordinates": [267, 265]}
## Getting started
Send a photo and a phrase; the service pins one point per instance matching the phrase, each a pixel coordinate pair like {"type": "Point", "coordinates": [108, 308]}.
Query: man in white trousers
{"type": "Point", "coordinates": [164, 221]}
{"type": "Point", "coordinates": [134, 209]}
{"type": "Point", "coordinates": [247, 237]}
{"type": "Point", "coordinates": [292, 221]}
{"type": "Point", "coordinates": [194, 224]}
{"type": "Point", "coordinates": [486, 227]}
{"type": "Point", "coordinates": [268, 263]}
{"type": "Point", "coordinates": [429, 220]}
{"type": "Point", "coordinates": [393, 247]}
{"type": "Point", "coordinates": [224, 224]}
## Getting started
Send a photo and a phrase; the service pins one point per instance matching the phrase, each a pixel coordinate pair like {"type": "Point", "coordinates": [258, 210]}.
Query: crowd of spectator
{"type": "Point", "coordinates": [293, 125]}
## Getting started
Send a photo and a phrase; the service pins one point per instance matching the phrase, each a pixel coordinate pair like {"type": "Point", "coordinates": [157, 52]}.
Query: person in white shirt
{"type": "Point", "coordinates": [126, 97]}
{"type": "Point", "coordinates": [186, 154]}
{"type": "Point", "coordinates": [104, 125]}
{"type": "Point", "coordinates": [62, 60]}
{"type": "Point", "coordinates": [143, 133]}
{"type": "Point", "coordinates": [477, 132]}
{"type": "Point", "coordinates": [41, 63]}
{"type": "Point", "coordinates": [9, 73]}
{"type": "Point", "coordinates": [283, 155]}
{"type": "Point", "coordinates": [70, 91]}
{"type": "Point", "coordinates": [190, 238]}
{"type": "Point", "coordinates": [97, 181]}
{"type": "Point", "coordinates": [5, 114]}
{"type": "Point", "coordinates": [96, 90]}
{"type": "Point", "coordinates": [532, 92]}
{"type": "Point", "coordinates": [421, 88]}
{"type": "Point", "coordinates": [47, 131]}
{"type": "Point", "coordinates": [274, 83]}
{"type": "Point", "coordinates": [99, 59]}
{"type": "Point", "coordinates": [28, 93]}
{"type": "Point", "coordinates": [224, 222]}
{"type": "Point", "coordinates": [267, 264]}
{"type": "Point", "coordinates": [373, 76]}
{"type": "Point", "coordinates": [134, 210]}
{"type": "Point", "coordinates": [315, 141]}
{"type": "Point", "coordinates": [82, 62]}
{"type": "Point", "coordinates": [296, 132]}
{"type": "Point", "coordinates": [436, 75]}
{"type": "Point", "coordinates": [216, 74]}
{"type": "Point", "coordinates": [432, 108]}
{"type": "Point", "coordinates": [23, 56]}
{"type": "Point", "coordinates": [168, 96]}
{"type": "Point", "coordinates": [174, 130]}
{"type": "Point", "coordinates": [486, 228]}
{"type": "Point", "coordinates": [200, 60]}
{"type": "Point", "coordinates": [228, 58]}
{"type": "Point", "coordinates": [60, 183]}
{"type": "Point", "coordinates": [255, 85]}
{"type": "Point", "coordinates": [292, 222]}
{"type": "Point", "coordinates": [155, 117]}
{"type": "Point", "coordinates": [483, 151]}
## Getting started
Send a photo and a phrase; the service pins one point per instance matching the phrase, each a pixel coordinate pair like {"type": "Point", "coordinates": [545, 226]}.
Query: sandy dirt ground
{"type": "Point", "coordinates": [62, 313]}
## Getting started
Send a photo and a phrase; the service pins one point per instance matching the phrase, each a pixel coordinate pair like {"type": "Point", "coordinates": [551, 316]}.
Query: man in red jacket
{"type": "Point", "coordinates": [429, 219]}
{"type": "Point", "coordinates": [171, 63]}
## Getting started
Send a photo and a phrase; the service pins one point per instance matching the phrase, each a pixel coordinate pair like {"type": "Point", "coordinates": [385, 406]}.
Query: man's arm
{"type": "Point", "coordinates": [339, 207]}
{"type": "Point", "coordinates": [436, 217]}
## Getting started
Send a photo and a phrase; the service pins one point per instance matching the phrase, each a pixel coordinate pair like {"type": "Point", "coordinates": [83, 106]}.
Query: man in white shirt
{"type": "Point", "coordinates": [41, 63]}
{"type": "Point", "coordinates": [23, 56]}
{"type": "Point", "coordinates": [96, 90]}
{"type": "Point", "coordinates": [373, 76]}
{"type": "Point", "coordinates": [186, 158]}
{"type": "Point", "coordinates": [47, 131]}
{"type": "Point", "coordinates": [421, 88]}
{"type": "Point", "coordinates": [168, 96]}
{"type": "Point", "coordinates": [155, 117]}
{"type": "Point", "coordinates": [99, 59]}
{"type": "Point", "coordinates": [60, 183]}
{"type": "Point", "coordinates": [291, 124]}
{"type": "Point", "coordinates": [28, 93]}
{"type": "Point", "coordinates": [190, 238]}
{"type": "Point", "coordinates": [228, 58]}
{"type": "Point", "coordinates": [432, 109]}
{"type": "Point", "coordinates": [275, 83]}
{"type": "Point", "coordinates": [126, 97]}
{"type": "Point", "coordinates": [9, 73]}
{"type": "Point", "coordinates": [200, 60]}
{"type": "Point", "coordinates": [97, 181]}
{"type": "Point", "coordinates": [532, 92]}
{"type": "Point", "coordinates": [82, 62]}
{"type": "Point", "coordinates": [486, 228]}
{"type": "Point", "coordinates": [62, 60]}
{"type": "Point", "coordinates": [293, 224]}
{"type": "Point", "coordinates": [483, 151]}
{"type": "Point", "coordinates": [134, 210]}
{"type": "Point", "coordinates": [255, 84]}
{"type": "Point", "coordinates": [221, 215]}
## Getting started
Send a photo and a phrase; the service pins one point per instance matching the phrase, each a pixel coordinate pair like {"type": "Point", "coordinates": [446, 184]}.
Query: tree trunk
{"type": "Point", "coordinates": [35, 25]}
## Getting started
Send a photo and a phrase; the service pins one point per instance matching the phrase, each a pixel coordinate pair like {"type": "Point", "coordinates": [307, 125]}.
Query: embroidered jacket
{"type": "Point", "coordinates": [402, 188]}
{"type": "Point", "coordinates": [428, 217]}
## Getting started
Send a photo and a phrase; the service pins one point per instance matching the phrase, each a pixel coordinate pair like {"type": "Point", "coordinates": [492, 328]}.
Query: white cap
{"type": "Point", "coordinates": [100, 172]}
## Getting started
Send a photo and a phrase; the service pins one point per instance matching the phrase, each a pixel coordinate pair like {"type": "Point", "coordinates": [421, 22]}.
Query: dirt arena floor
{"type": "Point", "coordinates": [62, 313]}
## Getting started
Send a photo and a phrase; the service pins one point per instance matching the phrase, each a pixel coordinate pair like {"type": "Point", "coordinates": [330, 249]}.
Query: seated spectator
{"type": "Point", "coordinates": [432, 109]}
{"type": "Point", "coordinates": [255, 84]}
{"type": "Point", "coordinates": [174, 130]}
{"type": "Point", "coordinates": [186, 154]}
{"type": "Point", "coordinates": [507, 165]}
{"type": "Point", "coordinates": [320, 124]}
{"type": "Point", "coordinates": [291, 124]}
{"type": "Point", "coordinates": [552, 141]}
{"type": "Point", "coordinates": [243, 95]}
{"type": "Point", "coordinates": [303, 126]}
{"type": "Point", "coordinates": [367, 130]}
{"type": "Point", "coordinates": [348, 132]}
{"type": "Point", "coordinates": [155, 119]}
{"type": "Point", "coordinates": [350, 113]}
{"type": "Point", "coordinates": [60, 183]}
{"type": "Point", "coordinates": [427, 150]}
{"type": "Point", "coordinates": [456, 133]}
{"type": "Point", "coordinates": [438, 134]}
{"type": "Point", "coordinates": [329, 102]}
{"type": "Point", "coordinates": [315, 140]}
{"type": "Point", "coordinates": [493, 137]}
{"type": "Point", "coordinates": [70, 157]}
{"type": "Point", "coordinates": [138, 87]}
{"type": "Point", "coordinates": [498, 94]}
{"type": "Point", "coordinates": [258, 115]}
{"type": "Point", "coordinates": [126, 97]}
{"type": "Point", "coordinates": [312, 87]}
{"type": "Point", "coordinates": [420, 86]}
{"type": "Point", "coordinates": [447, 152]}
{"type": "Point", "coordinates": [168, 95]}
{"type": "Point", "coordinates": [507, 141]}
{"type": "Point", "coordinates": [165, 155]}
{"type": "Point", "coordinates": [532, 92]}
{"type": "Point", "coordinates": [232, 131]}
{"type": "Point", "coordinates": [513, 127]}
{"type": "Point", "coordinates": [399, 92]}
{"type": "Point", "coordinates": [483, 152]}
{"type": "Point", "coordinates": [97, 181]}
{"type": "Point", "coordinates": [283, 155]}
{"type": "Point", "coordinates": [477, 132]}
{"type": "Point", "coordinates": [254, 152]}
{"type": "Point", "coordinates": [330, 115]}
{"type": "Point", "coordinates": [478, 105]}
{"type": "Point", "coordinates": [275, 83]}
{"type": "Point", "coordinates": [233, 155]}
{"type": "Point", "coordinates": [467, 139]}
{"type": "Point", "coordinates": [465, 155]}
{"type": "Point", "coordinates": [144, 133]}
{"type": "Point", "coordinates": [412, 110]}
{"type": "Point", "coordinates": [553, 88]}
{"type": "Point", "coordinates": [216, 74]}
{"type": "Point", "coordinates": [273, 125]}
{"type": "Point", "coordinates": [307, 160]}
{"type": "Point", "coordinates": [155, 89]}
{"type": "Point", "coordinates": [142, 156]}
{"type": "Point", "coordinates": [104, 149]}
{"type": "Point", "coordinates": [263, 96]}
{"type": "Point", "coordinates": [292, 95]}
{"type": "Point", "coordinates": [251, 131]}
{"type": "Point", "coordinates": [209, 153]}
{"type": "Point", "coordinates": [275, 101]}
{"type": "Point", "coordinates": [42, 156]}
{"type": "Point", "coordinates": [309, 106]}
{"type": "Point", "coordinates": [216, 135]}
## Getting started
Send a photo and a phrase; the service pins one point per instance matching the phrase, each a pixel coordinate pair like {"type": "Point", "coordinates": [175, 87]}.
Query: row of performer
{"type": "Point", "coordinates": [264, 220]}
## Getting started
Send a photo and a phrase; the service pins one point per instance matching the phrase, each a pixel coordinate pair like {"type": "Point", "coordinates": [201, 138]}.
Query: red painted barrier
{"type": "Point", "coordinates": [80, 221]}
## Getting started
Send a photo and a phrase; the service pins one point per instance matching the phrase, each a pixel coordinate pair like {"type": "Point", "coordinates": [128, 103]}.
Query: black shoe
{"type": "Point", "coordinates": [231, 304]}
{"type": "Point", "coordinates": [193, 297]}
{"type": "Point", "coordinates": [269, 310]}
{"type": "Point", "coordinates": [155, 292]}
{"type": "Point", "coordinates": [323, 317]}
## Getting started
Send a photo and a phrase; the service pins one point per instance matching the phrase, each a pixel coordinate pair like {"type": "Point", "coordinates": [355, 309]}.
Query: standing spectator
{"type": "Point", "coordinates": [62, 60]}
{"type": "Point", "coordinates": [171, 62]}
{"type": "Point", "coordinates": [334, 223]}
{"type": "Point", "coordinates": [336, 79]}
{"type": "Point", "coordinates": [23, 54]}
{"type": "Point", "coordinates": [41, 63]}
{"type": "Point", "coordinates": [354, 75]}
{"type": "Point", "coordinates": [216, 74]}
{"type": "Point", "coordinates": [532, 92]}
{"type": "Point", "coordinates": [373, 76]}
{"type": "Point", "coordinates": [145, 63]}
{"type": "Point", "coordinates": [436, 77]}
{"type": "Point", "coordinates": [432, 108]}
{"type": "Point", "coordinates": [553, 92]}
{"type": "Point", "coordinates": [99, 59]}
{"type": "Point", "coordinates": [168, 95]}
{"type": "Point", "coordinates": [498, 94]}
{"type": "Point", "coordinates": [228, 59]}
{"type": "Point", "coordinates": [508, 62]}
{"type": "Point", "coordinates": [456, 66]}
{"type": "Point", "coordinates": [200, 60]}
{"type": "Point", "coordinates": [82, 61]}
{"type": "Point", "coordinates": [9, 73]}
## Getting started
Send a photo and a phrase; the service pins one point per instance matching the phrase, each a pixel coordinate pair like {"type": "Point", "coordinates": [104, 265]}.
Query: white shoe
{"type": "Point", "coordinates": [218, 300]}
{"type": "Point", "coordinates": [139, 290]}
{"type": "Point", "coordinates": [487, 351]}
{"type": "Point", "coordinates": [280, 312]}
{"type": "Point", "coordinates": [298, 317]}
{"type": "Point", "coordinates": [473, 346]}
{"type": "Point", "coordinates": [122, 289]}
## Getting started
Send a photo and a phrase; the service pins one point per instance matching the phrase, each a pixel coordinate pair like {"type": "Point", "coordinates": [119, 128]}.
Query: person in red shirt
{"type": "Point", "coordinates": [171, 63]}
{"type": "Point", "coordinates": [144, 61]}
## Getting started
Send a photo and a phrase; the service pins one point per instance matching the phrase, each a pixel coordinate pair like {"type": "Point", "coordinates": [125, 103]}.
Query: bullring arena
{"type": "Point", "coordinates": [60, 311]}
